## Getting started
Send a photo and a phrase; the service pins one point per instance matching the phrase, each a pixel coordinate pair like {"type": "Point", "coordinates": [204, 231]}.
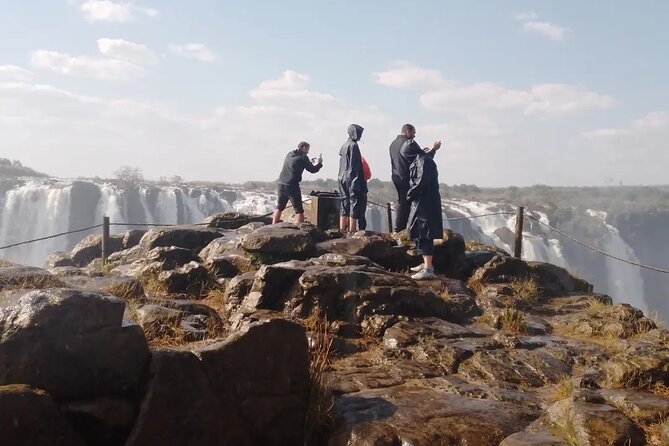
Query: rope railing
{"type": "Point", "coordinates": [387, 206]}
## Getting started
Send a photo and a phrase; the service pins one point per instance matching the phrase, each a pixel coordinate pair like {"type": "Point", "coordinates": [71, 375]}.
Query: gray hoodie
{"type": "Point", "coordinates": [350, 165]}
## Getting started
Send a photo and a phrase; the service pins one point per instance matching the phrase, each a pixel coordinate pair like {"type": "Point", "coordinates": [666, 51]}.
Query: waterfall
{"type": "Point", "coordinates": [32, 211]}
{"type": "Point", "coordinates": [38, 208]}
{"type": "Point", "coordinates": [625, 281]}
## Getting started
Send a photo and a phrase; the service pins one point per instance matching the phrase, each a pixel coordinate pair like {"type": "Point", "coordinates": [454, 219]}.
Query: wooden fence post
{"type": "Point", "coordinates": [105, 239]}
{"type": "Point", "coordinates": [518, 248]}
{"type": "Point", "coordinates": [389, 209]}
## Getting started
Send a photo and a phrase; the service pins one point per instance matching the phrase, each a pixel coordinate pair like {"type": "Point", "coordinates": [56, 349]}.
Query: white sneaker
{"type": "Point", "coordinates": [423, 275]}
{"type": "Point", "coordinates": [417, 269]}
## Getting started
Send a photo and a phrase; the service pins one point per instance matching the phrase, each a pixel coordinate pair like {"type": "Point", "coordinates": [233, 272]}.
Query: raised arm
{"type": "Point", "coordinates": [309, 166]}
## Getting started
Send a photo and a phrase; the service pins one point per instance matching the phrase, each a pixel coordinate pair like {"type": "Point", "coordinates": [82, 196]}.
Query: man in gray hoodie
{"type": "Point", "coordinates": [352, 184]}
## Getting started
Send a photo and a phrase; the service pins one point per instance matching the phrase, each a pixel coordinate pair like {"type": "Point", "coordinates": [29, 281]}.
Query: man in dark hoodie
{"type": "Point", "coordinates": [352, 184]}
{"type": "Point", "coordinates": [425, 219]}
{"type": "Point", "coordinates": [288, 185]}
{"type": "Point", "coordinates": [403, 152]}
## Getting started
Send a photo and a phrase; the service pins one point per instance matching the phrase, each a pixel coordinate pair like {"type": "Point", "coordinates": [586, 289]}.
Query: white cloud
{"type": "Point", "coordinates": [532, 24]}
{"type": "Point", "coordinates": [290, 80]}
{"type": "Point", "coordinates": [114, 12]}
{"type": "Point", "coordinates": [291, 86]}
{"type": "Point", "coordinates": [128, 51]}
{"type": "Point", "coordinates": [120, 60]}
{"type": "Point", "coordinates": [637, 153]}
{"type": "Point", "coordinates": [402, 74]}
{"type": "Point", "coordinates": [546, 29]}
{"type": "Point", "coordinates": [250, 140]}
{"type": "Point", "coordinates": [197, 51]}
{"type": "Point", "coordinates": [14, 73]}
{"type": "Point", "coordinates": [549, 100]}
{"type": "Point", "coordinates": [93, 67]}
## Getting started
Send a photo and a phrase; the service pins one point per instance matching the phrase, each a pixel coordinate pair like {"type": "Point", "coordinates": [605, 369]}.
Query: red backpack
{"type": "Point", "coordinates": [366, 171]}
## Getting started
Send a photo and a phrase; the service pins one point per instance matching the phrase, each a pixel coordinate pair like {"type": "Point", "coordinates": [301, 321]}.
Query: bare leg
{"type": "Point", "coordinates": [427, 260]}
{"type": "Point", "coordinates": [343, 223]}
{"type": "Point", "coordinates": [276, 218]}
{"type": "Point", "coordinates": [299, 218]}
{"type": "Point", "coordinates": [352, 224]}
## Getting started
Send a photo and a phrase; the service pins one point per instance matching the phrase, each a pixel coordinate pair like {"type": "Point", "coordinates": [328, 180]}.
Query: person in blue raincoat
{"type": "Point", "coordinates": [352, 184]}
{"type": "Point", "coordinates": [425, 218]}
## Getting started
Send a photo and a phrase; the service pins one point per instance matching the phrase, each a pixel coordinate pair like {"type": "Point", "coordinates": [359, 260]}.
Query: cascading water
{"type": "Point", "coordinates": [33, 211]}
{"type": "Point", "coordinates": [625, 280]}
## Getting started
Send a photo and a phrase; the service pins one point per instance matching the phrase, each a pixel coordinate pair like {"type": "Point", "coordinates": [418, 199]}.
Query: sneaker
{"type": "Point", "coordinates": [417, 269]}
{"type": "Point", "coordinates": [424, 275]}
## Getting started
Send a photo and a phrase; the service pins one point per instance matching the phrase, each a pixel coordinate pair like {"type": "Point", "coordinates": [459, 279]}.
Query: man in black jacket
{"type": "Point", "coordinates": [403, 152]}
{"type": "Point", "coordinates": [288, 186]}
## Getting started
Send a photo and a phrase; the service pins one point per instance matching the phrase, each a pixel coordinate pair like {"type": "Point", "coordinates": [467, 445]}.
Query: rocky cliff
{"type": "Point", "coordinates": [237, 333]}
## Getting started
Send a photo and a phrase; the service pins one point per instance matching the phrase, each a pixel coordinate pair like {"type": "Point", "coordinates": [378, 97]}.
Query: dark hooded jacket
{"type": "Point", "coordinates": [403, 152]}
{"type": "Point", "coordinates": [351, 173]}
{"type": "Point", "coordinates": [425, 219]}
{"type": "Point", "coordinates": [295, 163]}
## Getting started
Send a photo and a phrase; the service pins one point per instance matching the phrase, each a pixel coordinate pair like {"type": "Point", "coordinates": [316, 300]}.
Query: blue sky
{"type": "Point", "coordinates": [521, 92]}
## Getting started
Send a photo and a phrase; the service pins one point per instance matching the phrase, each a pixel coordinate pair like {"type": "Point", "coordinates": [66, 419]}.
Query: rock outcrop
{"type": "Point", "coordinates": [287, 335]}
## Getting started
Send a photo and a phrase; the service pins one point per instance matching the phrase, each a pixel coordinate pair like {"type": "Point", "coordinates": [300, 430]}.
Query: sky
{"type": "Point", "coordinates": [520, 92]}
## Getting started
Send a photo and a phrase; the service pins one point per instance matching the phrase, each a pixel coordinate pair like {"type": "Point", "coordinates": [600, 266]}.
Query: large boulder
{"type": "Point", "coordinates": [376, 247]}
{"type": "Point", "coordinates": [191, 237]}
{"type": "Point", "coordinates": [424, 416]}
{"type": "Point", "coordinates": [230, 264]}
{"type": "Point", "coordinates": [552, 280]}
{"type": "Point", "coordinates": [70, 343]}
{"type": "Point", "coordinates": [90, 248]}
{"type": "Point", "coordinates": [180, 408]}
{"type": "Point", "coordinates": [101, 421]}
{"type": "Point", "coordinates": [31, 417]}
{"type": "Point", "coordinates": [170, 257]}
{"type": "Point", "coordinates": [589, 422]}
{"type": "Point", "coordinates": [127, 288]}
{"type": "Point", "coordinates": [191, 278]}
{"type": "Point", "coordinates": [347, 294]}
{"type": "Point", "coordinates": [18, 277]}
{"type": "Point", "coordinates": [58, 259]}
{"type": "Point", "coordinates": [282, 241]}
{"type": "Point", "coordinates": [263, 372]}
{"type": "Point", "coordinates": [132, 237]}
{"type": "Point", "coordinates": [234, 220]}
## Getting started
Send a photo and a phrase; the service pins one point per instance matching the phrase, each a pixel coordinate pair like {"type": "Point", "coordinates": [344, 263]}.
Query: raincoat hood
{"type": "Point", "coordinates": [355, 132]}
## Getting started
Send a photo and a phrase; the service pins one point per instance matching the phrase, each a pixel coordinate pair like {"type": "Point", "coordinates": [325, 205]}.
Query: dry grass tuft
{"type": "Point", "coordinates": [653, 433]}
{"type": "Point", "coordinates": [660, 389]}
{"type": "Point", "coordinates": [29, 282]}
{"type": "Point", "coordinates": [216, 299]}
{"type": "Point", "coordinates": [5, 263]}
{"type": "Point", "coordinates": [513, 321]}
{"type": "Point", "coordinates": [596, 307]}
{"type": "Point", "coordinates": [130, 290]}
{"type": "Point", "coordinates": [526, 289]}
{"type": "Point", "coordinates": [563, 389]}
{"type": "Point", "coordinates": [321, 398]}
{"type": "Point", "coordinates": [475, 285]}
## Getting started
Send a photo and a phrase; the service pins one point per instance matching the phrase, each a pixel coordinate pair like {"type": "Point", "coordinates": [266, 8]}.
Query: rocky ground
{"type": "Point", "coordinates": [237, 333]}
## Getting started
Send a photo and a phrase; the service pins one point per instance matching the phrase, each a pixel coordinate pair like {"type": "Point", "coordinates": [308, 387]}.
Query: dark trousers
{"type": "Point", "coordinates": [402, 208]}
